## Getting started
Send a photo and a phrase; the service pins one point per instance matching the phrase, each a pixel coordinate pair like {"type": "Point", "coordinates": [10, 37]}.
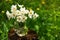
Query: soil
{"type": "Point", "coordinates": [31, 35]}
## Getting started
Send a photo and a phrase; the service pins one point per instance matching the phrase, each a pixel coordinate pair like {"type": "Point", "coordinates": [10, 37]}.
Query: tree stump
{"type": "Point", "coordinates": [31, 35]}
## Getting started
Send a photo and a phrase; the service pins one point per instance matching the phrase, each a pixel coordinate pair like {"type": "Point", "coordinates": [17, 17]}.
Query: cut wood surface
{"type": "Point", "coordinates": [31, 35]}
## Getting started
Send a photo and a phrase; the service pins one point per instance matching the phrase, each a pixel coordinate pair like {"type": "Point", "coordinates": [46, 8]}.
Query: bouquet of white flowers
{"type": "Point", "coordinates": [20, 15]}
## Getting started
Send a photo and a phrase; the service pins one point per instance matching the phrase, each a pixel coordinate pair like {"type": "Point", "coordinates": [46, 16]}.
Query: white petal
{"type": "Point", "coordinates": [20, 5]}
{"type": "Point", "coordinates": [8, 15]}
{"type": "Point", "coordinates": [30, 16]}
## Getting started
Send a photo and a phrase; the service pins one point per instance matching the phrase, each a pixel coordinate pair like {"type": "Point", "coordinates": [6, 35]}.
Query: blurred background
{"type": "Point", "coordinates": [47, 26]}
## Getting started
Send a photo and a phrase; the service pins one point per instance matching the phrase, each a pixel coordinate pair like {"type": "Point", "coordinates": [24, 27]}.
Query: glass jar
{"type": "Point", "coordinates": [21, 29]}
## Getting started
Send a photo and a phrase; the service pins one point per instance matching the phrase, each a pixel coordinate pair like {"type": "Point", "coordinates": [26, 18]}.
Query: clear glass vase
{"type": "Point", "coordinates": [21, 29]}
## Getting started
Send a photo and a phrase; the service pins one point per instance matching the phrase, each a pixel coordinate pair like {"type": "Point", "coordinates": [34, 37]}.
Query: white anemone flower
{"type": "Point", "coordinates": [13, 15]}
{"type": "Point", "coordinates": [26, 11]}
{"type": "Point", "coordinates": [22, 10]}
{"type": "Point", "coordinates": [13, 8]}
{"type": "Point", "coordinates": [35, 15]}
{"type": "Point", "coordinates": [18, 13]}
{"type": "Point", "coordinates": [31, 13]}
{"type": "Point", "coordinates": [19, 19]}
{"type": "Point", "coordinates": [8, 15]}
{"type": "Point", "coordinates": [24, 18]}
